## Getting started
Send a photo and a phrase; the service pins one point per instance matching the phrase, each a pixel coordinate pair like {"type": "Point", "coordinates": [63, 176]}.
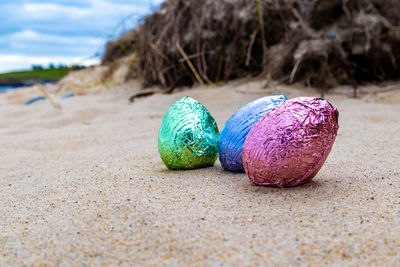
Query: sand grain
{"type": "Point", "coordinates": [86, 186]}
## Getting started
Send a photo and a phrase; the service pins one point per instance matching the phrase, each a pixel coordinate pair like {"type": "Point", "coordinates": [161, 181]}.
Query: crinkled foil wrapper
{"type": "Point", "coordinates": [289, 145]}
{"type": "Point", "coordinates": [234, 133]}
{"type": "Point", "coordinates": [188, 136]}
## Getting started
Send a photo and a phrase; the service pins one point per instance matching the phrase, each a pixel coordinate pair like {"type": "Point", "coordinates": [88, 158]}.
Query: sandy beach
{"type": "Point", "coordinates": [86, 186]}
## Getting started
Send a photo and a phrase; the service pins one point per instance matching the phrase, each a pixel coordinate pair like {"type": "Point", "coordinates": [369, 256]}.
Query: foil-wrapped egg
{"type": "Point", "coordinates": [188, 136]}
{"type": "Point", "coordinates": [234, 133]}
{"type": "Point", "coordinates": [289, 145]}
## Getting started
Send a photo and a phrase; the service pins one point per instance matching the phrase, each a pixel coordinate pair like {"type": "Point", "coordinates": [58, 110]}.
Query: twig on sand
{"type": "Point", "coordinates": [141, 94]}
{"type": "Point", "coordinates": [153, 91]}
{"type": "Point", "coordinates": [57, 106]}
{"type": "Point", "coordinates": [185, 56]}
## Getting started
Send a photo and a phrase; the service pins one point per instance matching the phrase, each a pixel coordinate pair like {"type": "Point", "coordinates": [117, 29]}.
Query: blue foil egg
{"type": "Point", "coordinates": [234, 133]}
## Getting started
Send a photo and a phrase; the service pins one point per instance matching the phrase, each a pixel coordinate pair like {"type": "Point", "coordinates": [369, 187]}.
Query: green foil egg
{"type": "Point", "coordinates": [188, 136]}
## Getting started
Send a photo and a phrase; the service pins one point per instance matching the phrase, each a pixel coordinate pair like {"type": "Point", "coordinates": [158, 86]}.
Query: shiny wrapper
{"type": "Point", "coordinates": [188, 136]}
{"type": "Point", "coordinates": [289, 145]}
{"type": "Point", "coordinates": [234, 133]}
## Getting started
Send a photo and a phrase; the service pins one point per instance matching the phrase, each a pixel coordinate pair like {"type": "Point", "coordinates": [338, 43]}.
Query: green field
{"type": "Point", "coordinates": [33, 76]}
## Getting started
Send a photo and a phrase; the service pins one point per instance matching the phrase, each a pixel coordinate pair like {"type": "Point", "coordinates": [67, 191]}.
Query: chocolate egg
{"type": "Point", "coordinates": [234, 133]}
{"type": "Point", "coordinates": [188, 136]}
{"type": "Point", "coordinates": [289, 145]}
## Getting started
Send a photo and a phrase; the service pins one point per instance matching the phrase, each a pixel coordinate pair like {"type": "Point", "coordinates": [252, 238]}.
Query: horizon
{"type": "Point", "coordinates": [44, 32]}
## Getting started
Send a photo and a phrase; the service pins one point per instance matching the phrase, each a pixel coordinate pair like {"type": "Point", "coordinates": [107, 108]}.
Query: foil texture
{"type": "Point", "coordinates": [188, 136]}
{"type": "Point", "coordinates": [234, 133]}
{"type": "Point", "coordinates": [289, 145]}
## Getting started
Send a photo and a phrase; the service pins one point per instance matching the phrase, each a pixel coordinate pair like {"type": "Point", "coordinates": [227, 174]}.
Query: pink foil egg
{"type": "Point", "coordinates": [289, 145]}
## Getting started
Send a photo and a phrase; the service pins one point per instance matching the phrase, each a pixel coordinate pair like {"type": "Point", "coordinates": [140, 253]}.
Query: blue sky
{"type": "Point", "coordinates": [63, 31]}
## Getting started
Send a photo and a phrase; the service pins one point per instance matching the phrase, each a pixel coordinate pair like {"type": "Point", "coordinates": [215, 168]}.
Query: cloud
{"type": "Point", "coordinates": [33, 43]}
{"type": "Point", "coordinates": [64, 29]}
{"type": "Point", "coordinates": [50, 11]}
{"type": "Point", "coordinates": [18, 62]}
{"type": "Point", "coordinates": [29, 37]}
{"type": "Point", "coordinates": [94, 9]}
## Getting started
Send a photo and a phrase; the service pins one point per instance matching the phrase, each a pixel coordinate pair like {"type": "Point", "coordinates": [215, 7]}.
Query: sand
{"type": "Point", "coordinates": [85, 186]}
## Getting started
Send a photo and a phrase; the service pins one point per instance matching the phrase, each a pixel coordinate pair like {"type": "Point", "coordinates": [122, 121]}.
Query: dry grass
{"type": "Point", "coordinates": [323, 43]}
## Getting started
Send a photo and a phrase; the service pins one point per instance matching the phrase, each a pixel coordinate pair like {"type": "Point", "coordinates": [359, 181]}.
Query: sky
{"type": "Point", "coordinates": [63, 31]}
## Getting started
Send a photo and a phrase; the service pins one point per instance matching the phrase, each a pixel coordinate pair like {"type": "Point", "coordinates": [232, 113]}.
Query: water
{"type": "Point", "coordinates": [4, 88]}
